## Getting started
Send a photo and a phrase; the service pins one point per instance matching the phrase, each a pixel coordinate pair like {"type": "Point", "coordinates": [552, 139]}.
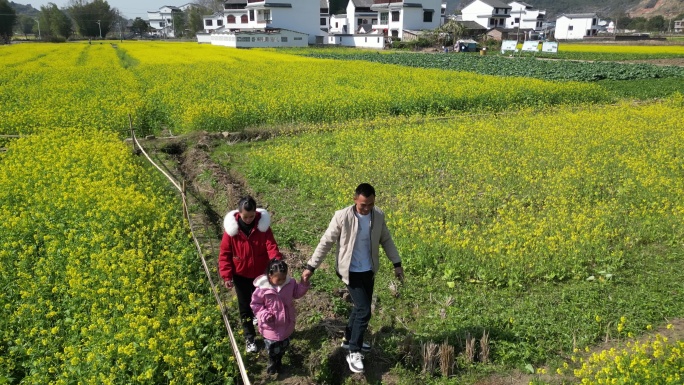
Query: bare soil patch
{"type": "Point", "coordinates": [679, 61]}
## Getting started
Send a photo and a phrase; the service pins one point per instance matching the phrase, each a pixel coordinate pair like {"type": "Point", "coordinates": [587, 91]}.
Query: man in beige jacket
{"type": "Point", "coordinates": [359, 231]}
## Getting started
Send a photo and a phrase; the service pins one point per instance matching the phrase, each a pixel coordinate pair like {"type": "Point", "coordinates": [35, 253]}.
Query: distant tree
{"type": "Point", "coordinates": [638, 23]}
{"type": "Point", "coordinates": [54, 22]}
{"type": "Point", "coordinates": [210, 6]}
{"type": "Point", "coordinates": [92, 18]}
{"type": "Point", "coordinates": [140, 26]}
{"type": "Point", "coordinates": [656, 24]}
{"type": "Point", "coordinates": [194, 16]}
{"type": "Point", "coordinates": [26, 25]}
{"type": "Point", "coordinates": [8, 17]}
{"type": "Point", "coordinates": [179, 23]}
{"type": "Point", "coordinates": [450, 32]}
{"type": "Point", "coordinates": [623, 22]}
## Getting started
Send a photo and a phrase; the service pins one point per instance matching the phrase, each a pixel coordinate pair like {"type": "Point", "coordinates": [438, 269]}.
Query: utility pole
{"type": "Point", "coordinates": [38, 21]}
{"type": "Point", "coordinates": [100, 27]}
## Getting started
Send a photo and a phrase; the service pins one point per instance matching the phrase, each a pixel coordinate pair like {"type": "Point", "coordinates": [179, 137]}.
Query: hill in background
{"type": "Point", "coordinates": [22, 9]}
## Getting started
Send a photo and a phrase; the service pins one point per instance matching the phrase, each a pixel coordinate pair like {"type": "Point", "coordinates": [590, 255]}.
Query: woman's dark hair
{"type": "Point", "coordinates": [364, 189]}
{"type": "Point", "coordinates": [247, 204]}
{"type": "Point", "coordinates": [276, 266]}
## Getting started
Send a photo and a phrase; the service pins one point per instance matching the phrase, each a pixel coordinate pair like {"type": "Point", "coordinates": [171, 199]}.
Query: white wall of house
{"type": "Point", "coordinates": [574, 27]}
{"type": "Point", "coordinates": [231, 18]}
{"type": "Point", "coordinates": [361, 41]}
{"type": "Point", "coordinates": [338, 24]}
{"type": "Point", "coordinates": [351, 17]}
{"type": "Point", "coordinates": [298, 15]}
{"type": "Point", "coordinates": [486, 15]}
{"type": "Point", "coordinates": [525, 17]}
{"type": "Point", "coordinates": [282, 38]}
{"type": "Point", "coordinates": [679, 26]}
{"type": "Point", "coordinates": [416, 15]}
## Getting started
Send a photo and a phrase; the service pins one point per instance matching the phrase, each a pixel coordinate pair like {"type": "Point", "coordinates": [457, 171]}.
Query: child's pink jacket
{"type": "Point", "coordinates": [275, 309]}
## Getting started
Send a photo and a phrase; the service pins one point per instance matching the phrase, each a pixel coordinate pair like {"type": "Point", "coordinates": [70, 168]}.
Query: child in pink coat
{"type": "Point", "coordinates": [273, 306]}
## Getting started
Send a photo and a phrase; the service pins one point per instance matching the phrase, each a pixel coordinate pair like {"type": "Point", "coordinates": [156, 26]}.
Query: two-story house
{"type": "Point", "coordinates": [280, 23]}
{"type": "Point", "coordinates": [233, 16]}
{"type": "Point", "coordinates": [487, 13]}
{"type": "Point", "coordinates": [161, 21]}
{"type": "Point", "coordinates": [359, 14]}
{"type": "Point", "coordinates": [576, 26]}
{"type": "Point", "coordinates": [679, 26]}
{"type": "Point", "coordinates": [525, 16]}
{"type": "Point", "coordinates": [396, 16]}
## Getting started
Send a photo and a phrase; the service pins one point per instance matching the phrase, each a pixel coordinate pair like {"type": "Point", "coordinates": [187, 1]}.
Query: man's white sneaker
{"type": "Point", "coordinates": [251, 347]}
{"type": "Point", "coordinates": [365, 348]}
{"type": "Point", "coordinates": [355, 361]}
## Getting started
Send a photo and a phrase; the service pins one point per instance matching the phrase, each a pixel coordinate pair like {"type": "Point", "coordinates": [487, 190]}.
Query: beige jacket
{"type": "Point", "coordinates": [342, 231]}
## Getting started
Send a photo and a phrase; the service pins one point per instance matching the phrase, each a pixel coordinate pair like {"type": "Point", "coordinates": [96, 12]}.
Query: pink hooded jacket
{"type": "Point", "coordinates": [275, 309]}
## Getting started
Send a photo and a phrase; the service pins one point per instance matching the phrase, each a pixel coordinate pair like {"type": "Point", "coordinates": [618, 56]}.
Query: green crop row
{"type": "Point", "coordinates": [561, 70]}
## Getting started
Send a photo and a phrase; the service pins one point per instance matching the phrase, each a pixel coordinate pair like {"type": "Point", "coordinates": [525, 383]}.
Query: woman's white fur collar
{"type": "Point", "coordinates": [230, 224]}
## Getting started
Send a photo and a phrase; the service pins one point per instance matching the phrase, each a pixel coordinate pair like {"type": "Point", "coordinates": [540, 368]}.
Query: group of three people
{"type": "Point", "coordinates": [251, 264]}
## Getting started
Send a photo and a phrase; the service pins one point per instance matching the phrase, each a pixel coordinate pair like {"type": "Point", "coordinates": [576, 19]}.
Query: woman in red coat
{"type": "Point", "coordinates": [246, 248]}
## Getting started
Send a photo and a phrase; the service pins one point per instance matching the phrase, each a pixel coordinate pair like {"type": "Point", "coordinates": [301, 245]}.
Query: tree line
{"type": "Point", "coordinates": [94, 19]}
{"type": "Point", "coordinates": [653, 24]}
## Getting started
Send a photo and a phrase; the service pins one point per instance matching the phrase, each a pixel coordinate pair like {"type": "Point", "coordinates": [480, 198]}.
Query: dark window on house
{"type": "Point", "coordinates": [208, 23]}
{"type": "Point", "coordinates": [427, 16]}
{"type": "Point", "coordinates": [395, 33]}
{"type": "Point", "coordinates": [283, 39]}
{"type": "Point", "coordinates": [251, 15]}
{"type": "Point", "coordinates": [219, 23]}
{"type": "Point", "coordinates": [243, 19]}
{"type": "Point", "coordinates": [492, 22]}
{"type": "Point", "coordinates": [359, 21]}
{"type": "Point", "coordinates": [570, 28]}
{"type": "Point", "coordinates": [323, 21]}
{"type": "Point", "coordinates": [161, 24]}
{"type": "Point", "coordinates": [593, 22]}
{"type": "Point", "coordinates": [384, 18]}
{"type": "Point", "coordinates": [395, 15]}
{"type": "Point", "coordinates": [517, 20]}
{"type": "Point", "coordinates": [231, 19]}
{"type": "Point", "coordinates": [337, 25]}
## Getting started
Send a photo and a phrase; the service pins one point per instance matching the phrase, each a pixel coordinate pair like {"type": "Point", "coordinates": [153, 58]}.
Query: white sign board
{"type": "Point", "coordinates": [550, 47]}
{"type": "Point", "coordinates": [508, 45]}
{"type": "Point", "coordinates": [531, 46]}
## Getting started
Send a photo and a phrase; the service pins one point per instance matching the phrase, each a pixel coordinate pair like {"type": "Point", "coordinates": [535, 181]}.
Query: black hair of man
{"type": "Point", "coordinates": [364, 189]}
{"type": "Point", "coordinates": [247, 204]}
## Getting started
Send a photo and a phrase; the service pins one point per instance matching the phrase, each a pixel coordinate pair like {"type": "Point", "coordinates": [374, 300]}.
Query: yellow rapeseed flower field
{"type": "Point", "coordinates": [99, 279]}
{"type": "Point", "coordinates": [511, 199]}
{"type": "Point", "coordinates": [188, 87]}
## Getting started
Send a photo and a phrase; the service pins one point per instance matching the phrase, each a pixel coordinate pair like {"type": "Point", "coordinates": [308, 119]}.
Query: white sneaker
{"type": "Point", "coordinates": [365, 348]}
{"type": "Point", "coordinates": [355, 361]}
{"type": "Point", "coordinates": [251, 347]}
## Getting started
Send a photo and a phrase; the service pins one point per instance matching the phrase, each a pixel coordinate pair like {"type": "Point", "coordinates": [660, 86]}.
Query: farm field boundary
{"type": "Point", "coordinates": [186, 214]}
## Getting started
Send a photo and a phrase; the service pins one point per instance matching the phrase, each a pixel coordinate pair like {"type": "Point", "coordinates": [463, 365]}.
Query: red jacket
{"type": "Point", "coordinates": [247, 256]}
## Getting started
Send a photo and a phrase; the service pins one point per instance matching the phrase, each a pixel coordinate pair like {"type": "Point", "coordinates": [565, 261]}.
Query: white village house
{"type": "Point", "coordinates": [525, 16]}
{"type": "Point", "coordinates": [161, 21]}
{"type": "Point", "coordinates": [371, 23]}
{"type": "Point", "coordinates": [487, 13]}
{"type": "Point", "coordinates": [265, 23]}
{"type": "Point", "coordinates": [576, 26]}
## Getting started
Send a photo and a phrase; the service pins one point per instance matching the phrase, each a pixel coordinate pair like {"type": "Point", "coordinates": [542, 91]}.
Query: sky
{"type": "Point", "coordinates": [129, 8]}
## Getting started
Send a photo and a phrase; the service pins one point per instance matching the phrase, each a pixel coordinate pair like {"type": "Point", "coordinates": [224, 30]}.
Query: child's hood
{"type": "Point", "coordinates": [262, 282]}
